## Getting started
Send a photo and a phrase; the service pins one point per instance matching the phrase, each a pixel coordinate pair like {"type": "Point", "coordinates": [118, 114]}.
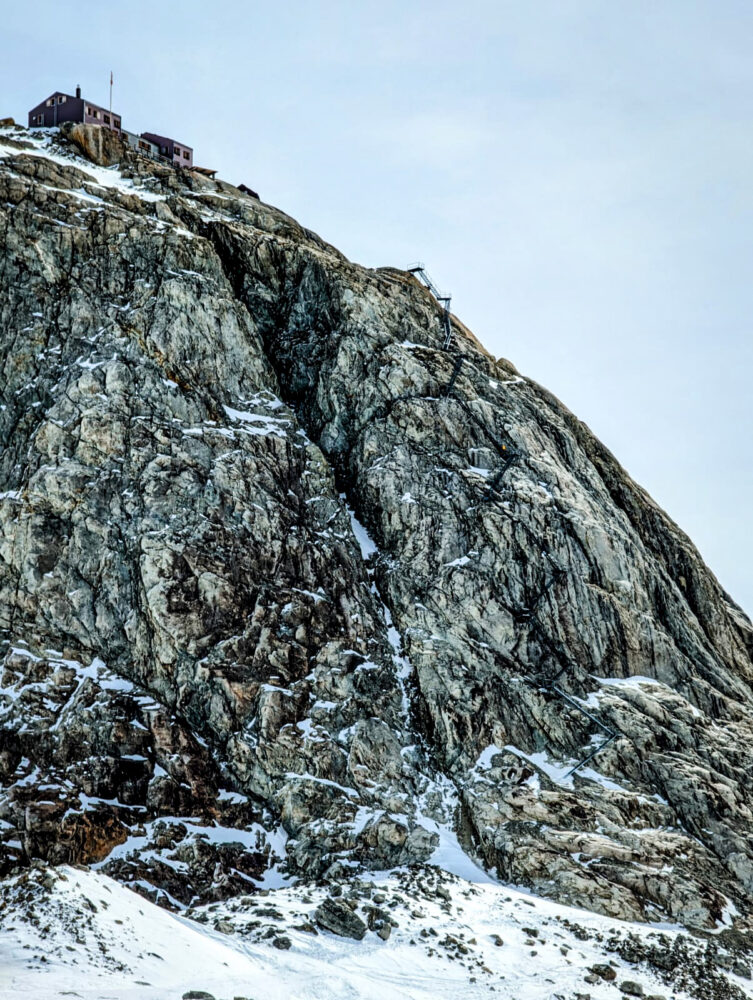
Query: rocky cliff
{"type": "Point", "coordinates": [277, 564]}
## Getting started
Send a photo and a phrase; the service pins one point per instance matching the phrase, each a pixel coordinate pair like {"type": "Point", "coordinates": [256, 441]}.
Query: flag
{"type": "Point", "coordinates": [111, 78]}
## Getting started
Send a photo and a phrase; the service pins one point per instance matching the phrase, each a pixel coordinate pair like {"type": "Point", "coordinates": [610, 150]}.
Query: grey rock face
{"type": "Point", "coordinates": [187, 531]}
{"type": "Point", "coordinates": [196, 392]}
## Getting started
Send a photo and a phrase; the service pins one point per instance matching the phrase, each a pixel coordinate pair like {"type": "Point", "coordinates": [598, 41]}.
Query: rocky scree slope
{"type": "Point", "coordinates": [201, 401]}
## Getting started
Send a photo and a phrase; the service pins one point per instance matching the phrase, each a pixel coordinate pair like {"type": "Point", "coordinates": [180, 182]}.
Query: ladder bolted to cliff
{"type": "Point", "coordinates": [509, 455]}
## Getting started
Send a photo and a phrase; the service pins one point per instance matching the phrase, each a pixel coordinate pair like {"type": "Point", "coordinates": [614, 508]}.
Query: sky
{"type": "Point", "coordinates": [578, 174]}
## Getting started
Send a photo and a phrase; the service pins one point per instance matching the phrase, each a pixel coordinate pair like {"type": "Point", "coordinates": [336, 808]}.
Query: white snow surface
{"type": "Point", "coordinates": [105, 942]}
{"type": "Point", "coordinates": [365, 542]}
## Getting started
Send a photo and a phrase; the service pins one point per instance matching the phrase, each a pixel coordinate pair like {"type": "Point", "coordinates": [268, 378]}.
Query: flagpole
{"type": "Point", "coordinates": [110, 93]}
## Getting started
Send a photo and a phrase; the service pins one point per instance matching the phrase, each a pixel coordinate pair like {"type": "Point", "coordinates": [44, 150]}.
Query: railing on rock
{"type": "Point", "coordinates": [509, 455]}
{"type": "Point", "coordinates": [421, 273]}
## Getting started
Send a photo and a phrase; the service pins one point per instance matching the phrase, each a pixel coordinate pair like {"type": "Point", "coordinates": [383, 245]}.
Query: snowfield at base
{"type": "Point", "coordinates": [104, 941]}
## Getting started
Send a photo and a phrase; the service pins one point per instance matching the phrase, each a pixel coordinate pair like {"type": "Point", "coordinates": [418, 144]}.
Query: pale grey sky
{"type": "Point", "coordinates": [577, 174]}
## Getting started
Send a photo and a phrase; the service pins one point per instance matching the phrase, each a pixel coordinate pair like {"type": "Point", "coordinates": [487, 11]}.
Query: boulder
{"type": "Point", "coordinates": [336, 916]}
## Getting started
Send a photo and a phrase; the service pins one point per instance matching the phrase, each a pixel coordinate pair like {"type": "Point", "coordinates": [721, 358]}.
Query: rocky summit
{"type": "Point", "coordinates": [297, 581]}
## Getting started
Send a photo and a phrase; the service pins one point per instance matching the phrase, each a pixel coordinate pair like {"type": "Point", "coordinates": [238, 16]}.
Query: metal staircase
{"type": "Point", "coordinates": [421, 273]}
{"type": "Point", "coordinates": [509, 455]}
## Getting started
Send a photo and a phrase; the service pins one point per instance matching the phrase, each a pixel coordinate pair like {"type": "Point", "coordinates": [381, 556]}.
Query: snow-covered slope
{"type": "Point", "coordinates": [76, 932]}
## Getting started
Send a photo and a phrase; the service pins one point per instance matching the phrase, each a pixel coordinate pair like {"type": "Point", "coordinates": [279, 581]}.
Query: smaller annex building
{"type": "Point", "coordinates": [178, 152]}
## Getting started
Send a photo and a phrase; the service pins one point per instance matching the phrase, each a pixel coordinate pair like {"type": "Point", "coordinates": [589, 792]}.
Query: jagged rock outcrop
{"type": "Point", "coordinates": [196, 394]}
